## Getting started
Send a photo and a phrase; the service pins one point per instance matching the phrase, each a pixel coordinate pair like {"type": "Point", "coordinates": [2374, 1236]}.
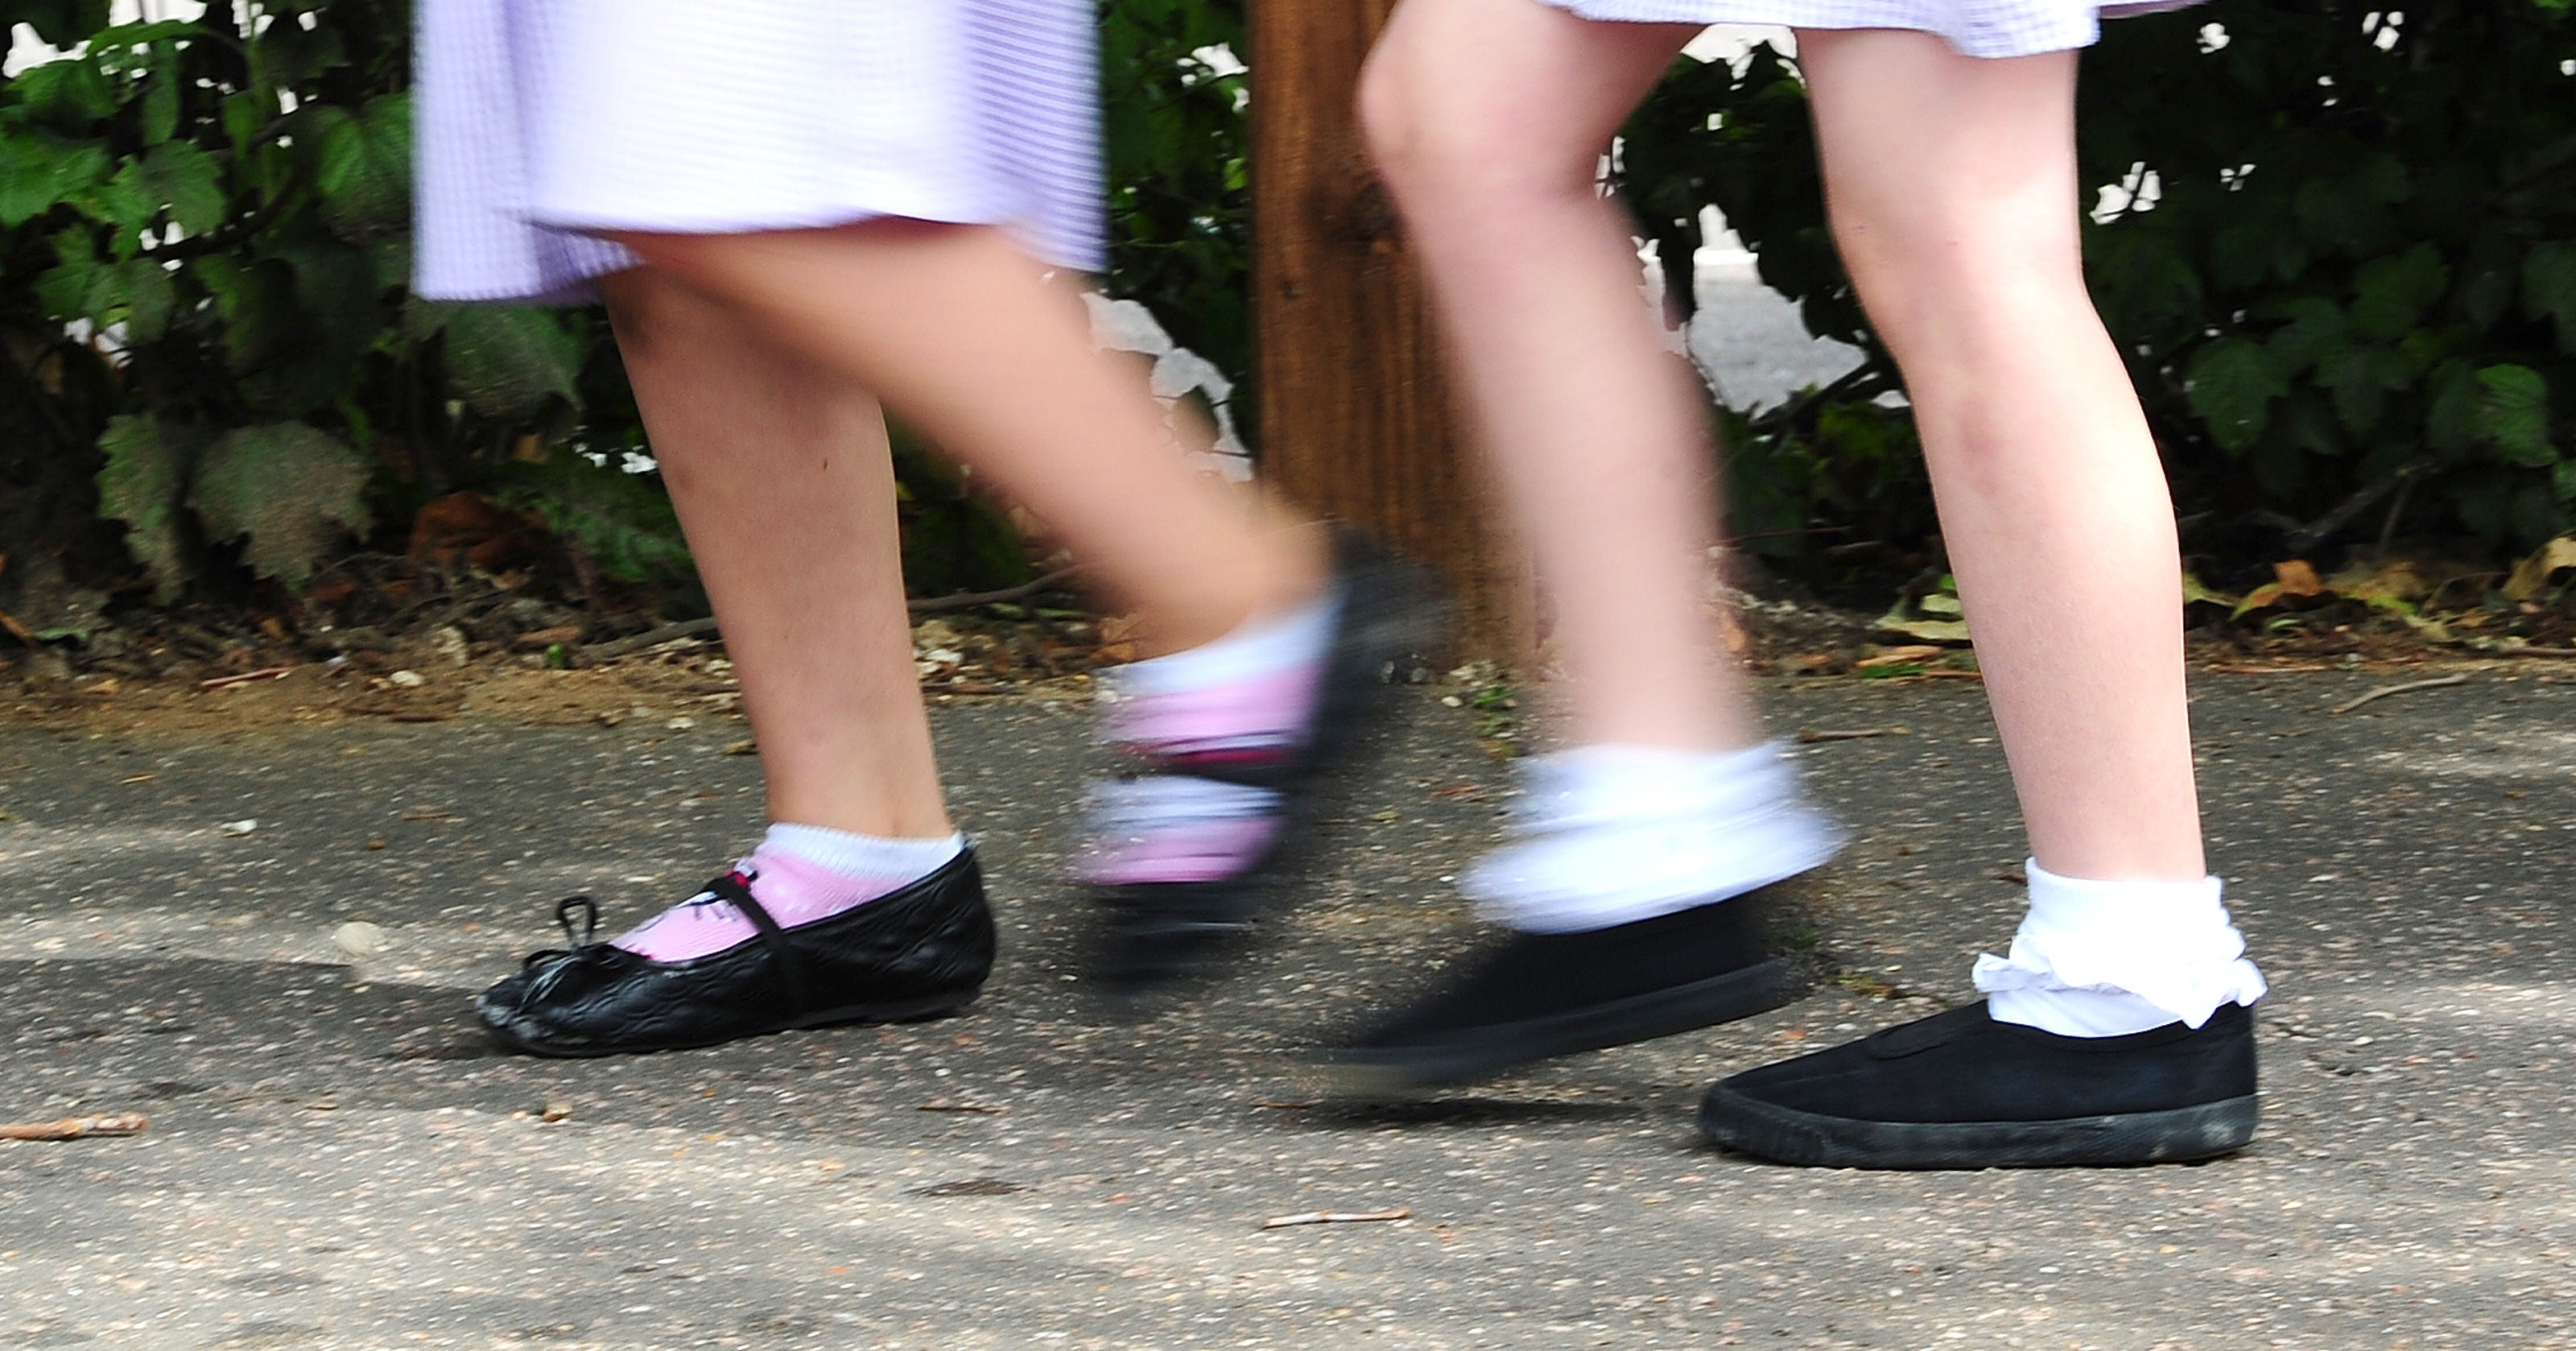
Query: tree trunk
{"type": "Point", "coordinates": [1356, 422]}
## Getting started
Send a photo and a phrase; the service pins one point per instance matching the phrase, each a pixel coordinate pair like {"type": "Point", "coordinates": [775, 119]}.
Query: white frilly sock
{"type": "Point", "coordinates": [2105, 959]}
{"type": "Point", "coordinates": [1611, 835]}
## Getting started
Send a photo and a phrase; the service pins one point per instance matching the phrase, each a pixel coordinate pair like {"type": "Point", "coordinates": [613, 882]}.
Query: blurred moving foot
{"type": "Point", "coordinates": [1540, 995]}
{"type": "Point", "coordinates": [1633, 891]}
{"type": "Point", "coordinates": [1961, 1090]}
{"type": "Point", "coordinates": [919, 950]}
{"type": "Point", "coordinates": [1233, 744]}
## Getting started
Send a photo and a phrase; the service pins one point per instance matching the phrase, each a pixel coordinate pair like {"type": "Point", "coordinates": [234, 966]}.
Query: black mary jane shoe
{"type": "Point", "coordinates": [1151, 935]}
{"type": "Point", "coordinates": [1961, 1090]}
{"type": "Point", "coordinates": [915, 953]}
{"type": "Point", "coordinates": [1540, 995]}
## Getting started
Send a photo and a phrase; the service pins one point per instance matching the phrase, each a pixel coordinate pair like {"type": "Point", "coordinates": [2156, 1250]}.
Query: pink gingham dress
{"type": "Point", "coordinates": [539, 121]}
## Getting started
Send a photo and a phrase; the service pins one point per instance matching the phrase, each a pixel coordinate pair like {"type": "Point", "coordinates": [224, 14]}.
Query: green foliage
{"type": "Point", "coordinates": [201, 235]}
{"type": "Point", "coordinates": [2341, 257]}
{"type": "Point", "coordinates": [623, 521]}
{"type": "Point", "coordinates": [1180, 205]}
{"type": "Point", "coordinates": [145, 480]}
{"type": "Point", "coordinates": [203, 268]}
{"type": "Point", "coordinates": [287, 490]}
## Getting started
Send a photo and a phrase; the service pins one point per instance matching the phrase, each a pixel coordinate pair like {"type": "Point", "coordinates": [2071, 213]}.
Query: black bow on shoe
{"type": "Point", "coordinates": [582, 949]}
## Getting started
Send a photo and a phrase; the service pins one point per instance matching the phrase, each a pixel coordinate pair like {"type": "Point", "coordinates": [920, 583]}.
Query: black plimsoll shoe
{"type": "Point", "coordinates": [1960, 1090]}
{"type": "Point", "coordinates": [1543, 995]}
{"type": "Point", "coordinates": [1152, 934]}
{"type": "Point", "coordinates": [914, 953]}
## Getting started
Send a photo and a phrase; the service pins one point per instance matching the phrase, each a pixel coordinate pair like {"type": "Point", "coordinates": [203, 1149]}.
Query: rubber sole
{"type": "Point", "coordinates": [907, 1011]}
{"type": "Point", "coordinates": [1378, 1072]}
{"type": "Point", "coordinates": [1747, 1125]}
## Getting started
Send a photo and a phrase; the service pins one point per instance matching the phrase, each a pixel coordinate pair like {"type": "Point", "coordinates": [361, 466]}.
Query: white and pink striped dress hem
{"type": "Point", "coordinates": [542, 122]}
{"type": "Point", "coordinates": [1986, 28]}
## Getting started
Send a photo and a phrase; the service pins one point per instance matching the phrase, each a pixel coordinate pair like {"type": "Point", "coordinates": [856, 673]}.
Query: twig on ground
{"type": "Point", "coordinates": [2434, 684]}
{"type": "Point", "coordinates": [700, 628]}
{"type": "Point", "coordinates": [75, 1127]}
{"type": "Point", "coordinates": [968, 600]}
{"type": "Point", "coordinates": [1812, 735]}
{"type": "Point", "coordinates": [18, 629]}
{"type": "Point", "coordinates": [668, 633]}
{"type": "Point", "coordinates": [264, 673]}
{"type": "Point", "coordinates": [970, 1108]}
{"type": "Point", "coordinates": [1337, 1217]}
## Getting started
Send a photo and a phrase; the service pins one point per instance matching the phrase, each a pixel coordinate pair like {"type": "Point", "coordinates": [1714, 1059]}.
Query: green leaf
{"type": "Point", "coordinates": [365, 173]}
{"type": "Point", "coordinates": [136, 293]}
{"type": "Point", "coordinates": [287, 488]}
{"type": "Point", "coordinates": [2549, 288]}
{"type": "Point", "coordinates": [161, 101]}
{"type": "Point", "coordinates": [2360, 379]}
{"type": "Point", "coordinates": [2316, 327]}
{"type": "Point", "coordinates": [61, 23]}
{"type": "Point", "coordinates": [147, 464]}
{"type": "Point", "coordinates": [178, 177]}
{"type": "Point", "coordinates": [2392, 294]}
{"type": "Point", "coordinates": [2514, 414]}
{"type": "Point", "coordinates": [2451, 424]}
{"type": "Point", "coordinates": [45, 172]}
{"type": "Point", "coordinates": [2232, 384]}
{"type": "Point", "coordinates": [504, 361]}
{"type": "Point", "coordinates": [70, 94]}
{"type": "Point", "coordinates": [65, 291]}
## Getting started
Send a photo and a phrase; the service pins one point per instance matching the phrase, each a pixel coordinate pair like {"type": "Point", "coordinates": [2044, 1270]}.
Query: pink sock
{"type": "Point", "coordinates": [792, 886]}
{"type": "Point", "coordinates": [1246, 699]}
{"type": "Point", "coordinates": [1248, 695]}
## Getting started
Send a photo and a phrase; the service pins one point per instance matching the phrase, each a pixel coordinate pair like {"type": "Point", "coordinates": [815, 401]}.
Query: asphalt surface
{"type": "Point", "coordinates": [335, 1159]}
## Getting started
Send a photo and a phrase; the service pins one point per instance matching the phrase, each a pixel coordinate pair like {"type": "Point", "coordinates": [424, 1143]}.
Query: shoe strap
{"type": "Point", "coordinates": [735, 888]}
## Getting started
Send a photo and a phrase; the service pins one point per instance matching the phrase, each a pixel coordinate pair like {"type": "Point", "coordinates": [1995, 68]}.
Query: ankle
{"type": "Point", "coordinates": [2105, 958]}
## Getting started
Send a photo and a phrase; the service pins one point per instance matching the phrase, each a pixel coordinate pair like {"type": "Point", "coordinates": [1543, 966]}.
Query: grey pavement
{"type": "Point", "coordinates": [336, 1160]}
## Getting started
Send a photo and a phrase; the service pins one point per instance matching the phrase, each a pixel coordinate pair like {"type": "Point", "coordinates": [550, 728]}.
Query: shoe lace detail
{"type": "Point", "coordinates": [590, 920]}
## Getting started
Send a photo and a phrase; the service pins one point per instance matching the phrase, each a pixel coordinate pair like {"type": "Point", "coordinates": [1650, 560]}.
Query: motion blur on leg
{"type": "Point", "coordinates": [798, 215]}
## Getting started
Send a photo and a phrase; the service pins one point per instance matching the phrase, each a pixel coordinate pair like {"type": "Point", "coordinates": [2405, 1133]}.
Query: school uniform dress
{"type": "Point", "coordinates": [540, 122]}
{"type": "Point", "coordinates": [1988, 28]}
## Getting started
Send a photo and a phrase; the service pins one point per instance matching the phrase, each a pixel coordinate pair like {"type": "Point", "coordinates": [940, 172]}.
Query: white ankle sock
{"type": "Point", "coordinates": [2104, 959]}
{"type": "Point", "coordinates": [1614, 834]}
{"type": "Point", "coordinates": [1257, 648]}
{"type": "Point", "coordinates": [854, 855]}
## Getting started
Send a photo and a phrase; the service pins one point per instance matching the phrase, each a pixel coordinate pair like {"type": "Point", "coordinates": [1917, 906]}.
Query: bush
{"type": "Point", "coordinates": [213, 357]}
{"type": "Point", "coordinates": [2340, 255]}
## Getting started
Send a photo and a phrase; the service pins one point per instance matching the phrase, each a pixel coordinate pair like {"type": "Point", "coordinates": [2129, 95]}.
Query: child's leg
{"type": "Point", "coordinates": [1954, 200]}
{"type": "Point", "coordinates": [1488, 119]}
{"type": "Point", "coordinates": [1274, 641]}
{"type": "Point", "coordinates": [1628, 882]}
{"type": "Point", "coordinates": [2116, 1033]}
{"type": "Point", "coordinates": [958, 331]}
{"type": "Point", "coordinates": [784, 485]}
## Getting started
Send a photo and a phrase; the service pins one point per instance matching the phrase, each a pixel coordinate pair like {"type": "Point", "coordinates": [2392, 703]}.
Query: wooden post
{"type": "Point", "coordinates": [1355, 420]}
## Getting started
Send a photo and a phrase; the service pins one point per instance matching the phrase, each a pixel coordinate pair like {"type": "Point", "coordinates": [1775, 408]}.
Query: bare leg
{"type": "Point", "coordinates": [1954, 197]}
{"type": "Point", "coordinates": [1488, 119]}
{"type": "Point", "coordinates": [959, 332]}
{"type": "Point", "coordinates": [784, 486]}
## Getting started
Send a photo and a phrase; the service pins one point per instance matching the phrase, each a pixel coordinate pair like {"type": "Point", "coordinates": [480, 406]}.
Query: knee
{"type": "Point", "coordinates": [1443, 141]}
{"type": "Point", "coordinates": [1937, 284]}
